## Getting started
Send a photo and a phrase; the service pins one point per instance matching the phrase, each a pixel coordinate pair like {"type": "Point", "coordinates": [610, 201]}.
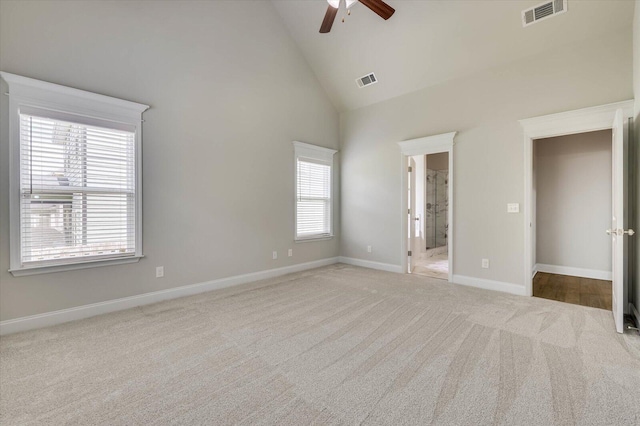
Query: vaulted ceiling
{"type": "Point", "coordinates": [427, 42]}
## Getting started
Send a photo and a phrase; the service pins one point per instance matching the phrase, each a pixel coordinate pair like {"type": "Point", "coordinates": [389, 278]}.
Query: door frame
{"type": "Point", "coordinates": [412, 179]}
{"type": "Point", "coordinates": [565, 123]}
{"type": "Point", "coordinates": [423, 146]}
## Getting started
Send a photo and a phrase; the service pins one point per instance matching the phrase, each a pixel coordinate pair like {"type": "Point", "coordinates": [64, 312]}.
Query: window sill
{"type": "Point", "coordinates": [35, 270]}
{"type": "Point", "coordinates": [310, 239]}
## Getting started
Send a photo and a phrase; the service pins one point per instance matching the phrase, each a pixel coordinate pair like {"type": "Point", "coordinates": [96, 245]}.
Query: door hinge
{"type": "Point", "coordinates": [408, 211]}
{"type": "Point", "coordinates": [410, 169]}
{"type": "Point", "coordinates": [409, 253]}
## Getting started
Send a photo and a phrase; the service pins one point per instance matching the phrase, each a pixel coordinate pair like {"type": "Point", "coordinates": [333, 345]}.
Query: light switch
{"type": "Point", "coordinates": [513, 208]}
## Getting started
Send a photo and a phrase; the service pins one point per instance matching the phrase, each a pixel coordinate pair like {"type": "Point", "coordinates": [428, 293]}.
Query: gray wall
{"type": "Point", "coordinates": [488, 152]}
{"type": "Point", "coordinates": [636, 90]}
{"type": "Point", "coordinates": [229, 91]}
{"type": "Point", "coordinates": [573, 200]}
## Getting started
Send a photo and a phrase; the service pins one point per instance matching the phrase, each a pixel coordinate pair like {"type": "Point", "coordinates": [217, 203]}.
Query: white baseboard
{"type": "Point", "coordinates": [574, 272]}
{"type": "Point", "coordinates": [535, 271]}
{"type": "Point", "coordinates": [457, 279]}
{"type": "Point", "coordinates": [371, 264]}
{"type": "Point", "coordinates": [635, 314]}
{"type": "Point", "coordinates": [490, 285]}
{"type": "Point", "coordinates": [86, 311]}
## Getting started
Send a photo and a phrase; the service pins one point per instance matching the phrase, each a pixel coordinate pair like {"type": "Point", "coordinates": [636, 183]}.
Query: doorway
{"type": "Point", "coordinates": [427, 206]}
{"type": "Point", "coordinates": [428, 215]}
{"type": "Point", "coordinates": [616, 117]}
{"type": "Point", "coordinates": [572, 192]}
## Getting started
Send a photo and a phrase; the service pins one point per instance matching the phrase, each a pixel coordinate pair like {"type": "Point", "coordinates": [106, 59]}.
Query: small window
{"type": "Point", "coordinates": [75, 192]}
{"type": "Point", "coordinates": [314, 192]}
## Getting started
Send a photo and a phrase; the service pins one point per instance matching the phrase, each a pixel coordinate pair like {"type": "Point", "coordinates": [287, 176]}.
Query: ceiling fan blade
{"type": "Point", "coordinates": [329, 17]}
{"type": "Point", "coordinates": [381, 8]}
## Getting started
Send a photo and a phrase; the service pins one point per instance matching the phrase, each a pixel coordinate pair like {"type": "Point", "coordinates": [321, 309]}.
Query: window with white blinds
{"type": "Point", "coordinates": [75, 184]}
{"type": "Point", "coordinates": [77, 191]}
{"type": "Point", "coordinates": [314, 169]}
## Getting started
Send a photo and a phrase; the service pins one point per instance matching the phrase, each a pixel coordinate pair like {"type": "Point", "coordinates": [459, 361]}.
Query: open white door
{"type": "Point", "coordinates": [617, 230]}
{"type": "Point", "coordinates": [411, 210]}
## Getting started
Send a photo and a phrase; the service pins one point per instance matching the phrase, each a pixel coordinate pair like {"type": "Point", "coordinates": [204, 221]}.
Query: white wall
{"type": "Point", "coordinates": [573, 200]}
{"type": "Point", "coordinates": [229, 91]}
{"type": "Point", "coordinates": [484, 109]}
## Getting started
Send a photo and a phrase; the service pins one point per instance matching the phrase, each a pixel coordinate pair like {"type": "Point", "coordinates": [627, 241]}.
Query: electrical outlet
{"type": "Point", "coordinates": [159, 271]}
{"type": "Point", "coordinates": [290, 252]}
{"type": "Point", "coordinates": [368, 249]}
{"type": "Point", "coordinates": [485, 263]}
{"type": "Point", "coordinates": [275, 255]}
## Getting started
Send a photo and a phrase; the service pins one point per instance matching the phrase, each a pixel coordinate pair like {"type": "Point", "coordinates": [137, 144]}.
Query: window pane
{"type": "Point", "coordinates": [313, 180]}
{"type": "Point", "coordinates": [313, 204]}
{"type": "Point", "coordinates": [313, 217]}
{"type": "Point", "coordinates": [77, 191]}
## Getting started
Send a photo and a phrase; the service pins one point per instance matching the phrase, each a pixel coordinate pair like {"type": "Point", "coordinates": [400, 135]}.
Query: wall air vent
{"type": "Point", "coordinates": [543, 11]}
{"type": "Point", "coordinates": [366, 80]}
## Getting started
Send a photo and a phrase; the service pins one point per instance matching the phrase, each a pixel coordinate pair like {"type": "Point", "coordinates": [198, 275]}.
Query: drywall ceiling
{"type": "Point", "coordinates": [430, 41]}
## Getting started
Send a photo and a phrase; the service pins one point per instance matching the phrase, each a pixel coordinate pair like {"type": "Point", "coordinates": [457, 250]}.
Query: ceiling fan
{"type": "Point", "coordinates": [377, 6]}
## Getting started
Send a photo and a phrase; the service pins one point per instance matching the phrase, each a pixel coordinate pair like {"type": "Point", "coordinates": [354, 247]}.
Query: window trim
{"type": "Point", "coordinates": [26, 93]}
{"type": "Point", "coordinates": [319, 154]}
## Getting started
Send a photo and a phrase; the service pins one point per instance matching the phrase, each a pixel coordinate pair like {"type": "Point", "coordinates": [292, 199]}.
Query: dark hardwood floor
{"type": "Point", "coordinates": [576, 290]}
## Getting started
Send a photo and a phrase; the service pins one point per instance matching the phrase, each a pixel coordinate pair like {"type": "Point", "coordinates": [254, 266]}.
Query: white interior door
{"type": "Point", "coordinates": [617, 230]}
{"type": "Point", "coordinates": [411, 211]}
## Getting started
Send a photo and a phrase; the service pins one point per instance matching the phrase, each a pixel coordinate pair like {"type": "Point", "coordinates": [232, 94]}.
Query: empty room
{"type": "Point", "coordinates": [346, 212]}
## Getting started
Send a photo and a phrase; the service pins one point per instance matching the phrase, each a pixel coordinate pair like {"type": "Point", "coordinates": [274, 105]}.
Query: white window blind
{"type": "Point", "coordinates": [77, 192]}
{"type": "Point", "coordinates": [314, 199]}
{"type": "Point", "coordinates": [313, 191]}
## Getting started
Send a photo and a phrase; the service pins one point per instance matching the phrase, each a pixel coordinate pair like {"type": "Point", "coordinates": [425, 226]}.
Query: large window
{"type": "Point", "coordinates": [314, 197]}
{"type": "Point", "coordinates": [75, 177]}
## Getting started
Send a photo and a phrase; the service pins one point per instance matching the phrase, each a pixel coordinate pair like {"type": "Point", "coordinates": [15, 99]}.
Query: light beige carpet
{"type": "Point", "coordinates": [335, 345]}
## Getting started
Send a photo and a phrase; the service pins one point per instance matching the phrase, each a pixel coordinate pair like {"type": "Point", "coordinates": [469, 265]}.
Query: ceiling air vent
{"type": "Point", "coordinates": [543, 11]}
{"type": "Point", "coordinates": [366, 80]}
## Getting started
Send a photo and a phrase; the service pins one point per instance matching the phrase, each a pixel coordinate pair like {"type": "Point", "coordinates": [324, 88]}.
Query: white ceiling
{"type": "Point", "coordinates": [427, 42]}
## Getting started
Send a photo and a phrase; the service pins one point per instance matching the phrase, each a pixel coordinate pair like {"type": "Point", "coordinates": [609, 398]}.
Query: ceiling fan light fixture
{"type": "Point", "coordinates": [379, 7]}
